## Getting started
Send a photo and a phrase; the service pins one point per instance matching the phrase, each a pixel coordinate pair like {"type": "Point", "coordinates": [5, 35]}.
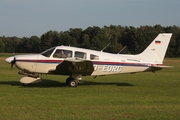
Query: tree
{"type": "Point", "coordinates": [66, 39]}
{"type": "Point", "coordinates": [49, 40]}
{"type": "Point", "coordinates": [85, 41]}
{"type": "Point", "coordinates": [2, 45]}
{"type": "Point", "coordinates": [136, 39]}
{"type": "Point", "coordinates": [75, 33]}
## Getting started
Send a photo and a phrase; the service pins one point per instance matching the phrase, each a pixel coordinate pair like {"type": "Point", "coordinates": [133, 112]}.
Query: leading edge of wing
{"type": "Point", "coordinates": [74, 66]}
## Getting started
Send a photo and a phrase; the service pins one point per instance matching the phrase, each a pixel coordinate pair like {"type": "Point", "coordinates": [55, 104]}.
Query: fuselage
{"type": "Point", "coordinates": [104, 63]}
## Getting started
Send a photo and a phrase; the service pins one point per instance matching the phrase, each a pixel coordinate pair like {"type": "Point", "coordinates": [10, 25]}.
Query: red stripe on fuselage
{"type": "Point", "coordinates": [94, 62]}
{"type": "Point", "coordinates": [40, 61]}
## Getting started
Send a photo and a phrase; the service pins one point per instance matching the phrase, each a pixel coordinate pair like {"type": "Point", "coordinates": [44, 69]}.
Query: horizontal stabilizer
{"type": "Point", "coordinates": [163, 66]}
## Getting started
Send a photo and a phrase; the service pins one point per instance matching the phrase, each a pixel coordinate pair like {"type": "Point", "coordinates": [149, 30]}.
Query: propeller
{"type": "Point", "coordinates": [13, 62]}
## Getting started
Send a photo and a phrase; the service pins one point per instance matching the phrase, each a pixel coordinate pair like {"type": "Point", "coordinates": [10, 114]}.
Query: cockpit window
{"type": "Point", "coordinates": [48, 52]}
{"type": "Point", "coordinates": [60, 53]}
{"type": "Point", "coordinates": [80, 55]}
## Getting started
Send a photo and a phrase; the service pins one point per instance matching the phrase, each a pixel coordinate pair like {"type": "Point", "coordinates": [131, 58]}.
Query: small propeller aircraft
{"type": "Point", "coordinates": [77, 62]}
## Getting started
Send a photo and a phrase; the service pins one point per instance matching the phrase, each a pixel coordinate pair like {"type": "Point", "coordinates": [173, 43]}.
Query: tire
{"type": "Point", "coordinates": [73, 83]}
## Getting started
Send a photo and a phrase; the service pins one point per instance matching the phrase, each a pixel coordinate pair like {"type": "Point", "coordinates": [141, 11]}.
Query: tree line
{"type": "Point", "coordinates": [95, 38]}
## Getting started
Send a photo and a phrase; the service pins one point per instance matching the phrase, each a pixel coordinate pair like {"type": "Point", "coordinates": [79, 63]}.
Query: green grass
{"type": "Point", "coordinates": [125, 96]}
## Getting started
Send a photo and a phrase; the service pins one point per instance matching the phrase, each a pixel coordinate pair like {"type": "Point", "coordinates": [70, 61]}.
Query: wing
{"type": "Point", "coordinates": [74, 66]}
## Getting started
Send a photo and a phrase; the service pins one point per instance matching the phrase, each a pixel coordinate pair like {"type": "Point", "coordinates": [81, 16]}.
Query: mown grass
{"type": "Point", "coordinates": [126, 96]}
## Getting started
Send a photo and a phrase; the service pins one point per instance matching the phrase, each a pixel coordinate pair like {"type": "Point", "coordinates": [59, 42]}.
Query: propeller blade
{"type": "Point", "coordinates": [13, 62]}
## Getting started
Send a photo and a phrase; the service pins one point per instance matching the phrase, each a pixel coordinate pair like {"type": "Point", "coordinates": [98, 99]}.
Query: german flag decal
{"type": "Point", "coordinates": [158, 42]}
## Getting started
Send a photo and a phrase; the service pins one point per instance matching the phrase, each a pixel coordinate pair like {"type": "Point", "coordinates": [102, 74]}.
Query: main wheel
{"type": "Point", "coordinates": [73, 83]}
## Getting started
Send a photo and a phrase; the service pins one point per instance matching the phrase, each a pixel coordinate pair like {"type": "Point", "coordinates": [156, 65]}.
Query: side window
{"type": "Point", "coordinates": [80, 55]}
{"type": "Point", "coordinates": [60, 53]}
{"type": "Point", "coordinates": [94, 57]}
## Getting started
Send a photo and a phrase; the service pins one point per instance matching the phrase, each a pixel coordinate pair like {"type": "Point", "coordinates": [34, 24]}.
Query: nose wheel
{"type": "Point", "coordinates": [71, 82]}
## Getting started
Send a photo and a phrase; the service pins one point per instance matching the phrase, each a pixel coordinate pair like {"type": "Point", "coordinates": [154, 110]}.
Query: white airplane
{"type": "Point", "coordinates": [77, 62]}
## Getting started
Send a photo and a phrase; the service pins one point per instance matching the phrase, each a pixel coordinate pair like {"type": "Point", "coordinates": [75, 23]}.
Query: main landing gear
{"type": "Point", "coordinates": [73, 80]}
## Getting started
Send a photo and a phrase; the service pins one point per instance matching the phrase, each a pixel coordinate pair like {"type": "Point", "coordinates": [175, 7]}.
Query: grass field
{"type": "Point", "coordinates": [126, 96]}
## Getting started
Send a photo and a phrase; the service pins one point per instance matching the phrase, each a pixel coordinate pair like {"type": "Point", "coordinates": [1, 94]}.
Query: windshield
{"type": "Point", "coordinates": [48, 52]}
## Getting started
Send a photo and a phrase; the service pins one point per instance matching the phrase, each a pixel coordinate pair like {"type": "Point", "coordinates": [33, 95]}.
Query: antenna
{"type": "Point", "coordinates": [105, 47]}
{"type": "Point", "coordinates": [122, 49]}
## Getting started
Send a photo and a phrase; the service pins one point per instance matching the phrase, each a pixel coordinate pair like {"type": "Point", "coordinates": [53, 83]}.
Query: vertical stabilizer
{"type": "Point", "coordinates": [155, 52]}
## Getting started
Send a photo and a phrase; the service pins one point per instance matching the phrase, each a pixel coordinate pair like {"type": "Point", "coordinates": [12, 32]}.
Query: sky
{"type": "Point", "coordinates": [26, 18]}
